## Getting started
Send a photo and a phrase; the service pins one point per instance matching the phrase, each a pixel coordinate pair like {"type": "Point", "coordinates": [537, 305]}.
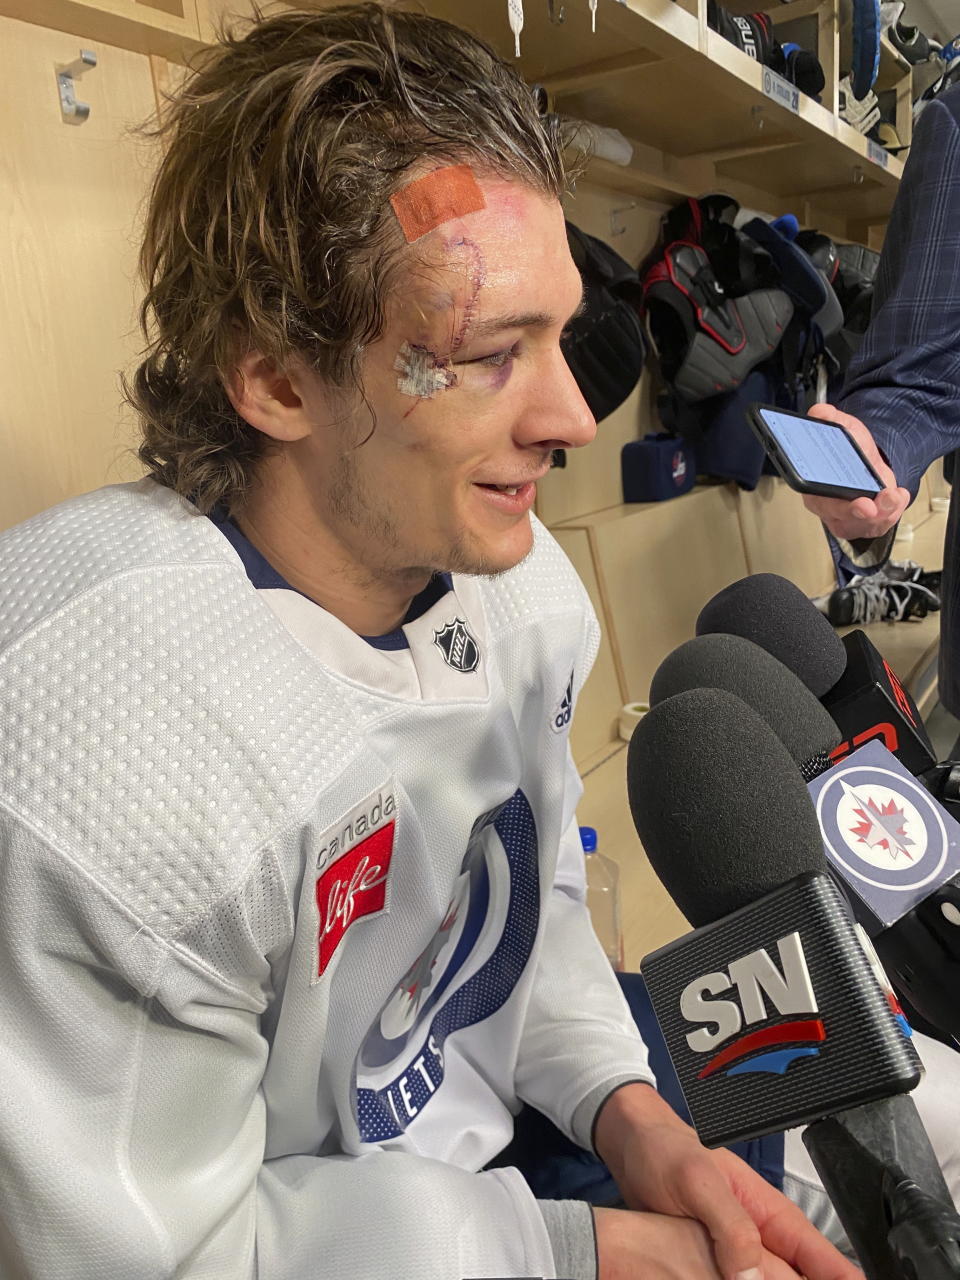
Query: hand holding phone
{"type": "Point", "coordinates": [859, 518]}
{"type": "Point", "coordinates": [813, 455]}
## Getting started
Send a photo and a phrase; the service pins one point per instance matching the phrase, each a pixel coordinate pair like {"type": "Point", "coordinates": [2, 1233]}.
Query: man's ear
{"type": "Point", "coordinates": [267, 398]}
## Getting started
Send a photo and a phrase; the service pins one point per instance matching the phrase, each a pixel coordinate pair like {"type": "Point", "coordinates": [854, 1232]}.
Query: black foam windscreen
{"type": "Point", "coordinates": [802, 724]}
{"type": "Point", "coordinates": [776, 615]}
{"type": "Point", "coordinates": [720, 808]}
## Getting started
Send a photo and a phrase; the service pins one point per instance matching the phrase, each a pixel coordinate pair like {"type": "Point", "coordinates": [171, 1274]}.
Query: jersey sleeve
{"type": "Point", "coordinates": [133, 1122]}
{"type": "Point", "coordinates": [580, 1038]}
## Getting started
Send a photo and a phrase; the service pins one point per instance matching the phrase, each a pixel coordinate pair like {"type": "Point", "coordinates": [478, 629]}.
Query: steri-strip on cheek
{"type": "Point", "coordinates": [426, 203]}
{"type": "Point", "coordinates": [422, 372]}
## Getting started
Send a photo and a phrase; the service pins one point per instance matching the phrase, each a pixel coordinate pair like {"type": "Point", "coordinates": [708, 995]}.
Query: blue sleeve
{"type": "Point", "coordinates": [904, 382]}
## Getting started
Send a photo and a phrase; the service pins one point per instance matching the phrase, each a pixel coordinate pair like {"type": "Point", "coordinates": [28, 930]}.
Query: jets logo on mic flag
{"type": "Point", "coordinates": [884, 835]}
{"type": "Point", "coordinates": [774, 1017]}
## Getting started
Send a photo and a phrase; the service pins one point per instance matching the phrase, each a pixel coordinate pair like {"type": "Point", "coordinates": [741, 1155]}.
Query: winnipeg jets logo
{"type": "Point", "coordinates": [563, 712]}
{"type": "Point", "coordinates": [880, 826]}
{"type": "Point", "coordinates": [403, 1009]}
{"type": "Point", "coordinates": [463, 974]}
{"type": "Point", "coordinates": [883, 832]}
{"type": "Point", "coordinates": [458, 646]}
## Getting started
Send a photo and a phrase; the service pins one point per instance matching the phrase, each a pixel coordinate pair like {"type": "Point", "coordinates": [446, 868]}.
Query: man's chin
{"type": "Point", "coordinates": [492, 562]}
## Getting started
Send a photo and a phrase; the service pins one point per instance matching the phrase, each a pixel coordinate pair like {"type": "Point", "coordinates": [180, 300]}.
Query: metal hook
{"type": "Point", "coordinates": [557, 14]}
{"type": "Point", "coordinates": [758, 117]}
{"type": "Point", "coordinates": [72, 110]}
{"type": "Point", "coordinates": [541, 99]}
{"type": "Point", "coordinates": [858, 175]}
{"type": "Point", "coordinates": [615, 228]}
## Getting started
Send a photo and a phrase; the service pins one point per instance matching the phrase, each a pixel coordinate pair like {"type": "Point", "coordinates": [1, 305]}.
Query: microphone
{"type": "Point", "coordinates": [894, 851]}
{"type": "Point", "coordinates": [803, 1032]}
{"type": "Point", "coordinates": [805, 728]}
{"type": "Point", "coordinates": [775, 614]}
{"type": "Point", "coordinates": [850, 677]}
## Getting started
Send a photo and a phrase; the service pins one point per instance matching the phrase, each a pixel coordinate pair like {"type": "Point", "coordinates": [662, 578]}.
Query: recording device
{"type": "Point", "coordinates": [869, 702]}
{"type": "Point", "coordinates": [731, 832]}
{"type": "Point", "coordinates": [780, 698]}
{"type": "Point", "coordinates": [776, 615]}
{"type": "Point", "coordinates": [849, 676]}
{"type": "Point", "coordinates": [894, 851]}
{"type": "Point", "coordinates": [770, 1007]}
{"type": "Point", "coordinates": [812, 455]}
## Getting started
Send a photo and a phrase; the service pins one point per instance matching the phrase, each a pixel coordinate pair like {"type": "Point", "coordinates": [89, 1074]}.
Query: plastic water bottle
{"type": "Point", "coordinates": [603, 897]}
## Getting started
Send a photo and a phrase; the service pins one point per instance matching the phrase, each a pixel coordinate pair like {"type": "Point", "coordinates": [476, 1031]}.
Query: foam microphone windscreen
{"type": "Point", "coordinates": [776, 615]}
{"type": "Point", "coordinates": [720, 808]}
{"type": "Point", "coordinates": [802, 724]}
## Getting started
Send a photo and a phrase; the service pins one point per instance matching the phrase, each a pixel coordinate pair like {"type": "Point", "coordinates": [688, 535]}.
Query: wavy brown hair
{"type": "Point", "coordinates": [269, 226]}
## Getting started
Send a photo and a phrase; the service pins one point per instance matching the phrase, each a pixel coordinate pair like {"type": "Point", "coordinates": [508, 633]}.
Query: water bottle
{"type": "Point", "coordinates": [603, 897]}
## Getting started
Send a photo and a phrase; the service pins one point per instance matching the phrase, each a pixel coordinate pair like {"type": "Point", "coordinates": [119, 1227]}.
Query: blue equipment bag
{"type": "Point", "coordinates": [656, 468]}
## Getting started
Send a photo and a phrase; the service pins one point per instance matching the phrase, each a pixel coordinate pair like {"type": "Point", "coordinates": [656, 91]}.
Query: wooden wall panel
{"type": "Point", "coordinates": [921, 506]}
{"type": "Point", "coordinates": [781, 536]}
{"type": "Point", "coordinates": [595, 723]}
{"type": "Point", "coordinates": [70, 197]}
{"type": "Point", "coordinates": [648, 915]}
{"type": "Point", "coordinates": [657, 565]}
{"type": "Point", "coordinates": [211, 14]}
{"type": "Point", "coordinates": [936, 482]}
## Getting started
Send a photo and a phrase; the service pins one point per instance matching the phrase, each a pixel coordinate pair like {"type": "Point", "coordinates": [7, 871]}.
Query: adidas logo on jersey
{"type": "Point", "coordinates": [561, 717]}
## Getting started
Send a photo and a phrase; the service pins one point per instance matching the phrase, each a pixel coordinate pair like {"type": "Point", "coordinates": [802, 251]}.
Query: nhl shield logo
{"type": "Point", "coordinates": [458, 646]}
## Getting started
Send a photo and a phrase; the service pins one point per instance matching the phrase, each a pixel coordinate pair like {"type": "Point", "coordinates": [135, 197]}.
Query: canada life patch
{"type": "Point", "coordinates": [353, 867]}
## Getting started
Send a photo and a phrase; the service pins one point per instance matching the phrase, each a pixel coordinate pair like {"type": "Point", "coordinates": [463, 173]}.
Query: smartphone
{"type": "Point", "coordinates": [813, 456]}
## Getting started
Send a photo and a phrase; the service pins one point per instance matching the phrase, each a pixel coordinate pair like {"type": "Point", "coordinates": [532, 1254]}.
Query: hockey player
{"type": "Point", "coordinates": [292, 914]}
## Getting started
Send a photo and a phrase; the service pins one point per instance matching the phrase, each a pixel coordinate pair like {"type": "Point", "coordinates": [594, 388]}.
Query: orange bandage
{"type": "Point", "coordinates": [446, 193]}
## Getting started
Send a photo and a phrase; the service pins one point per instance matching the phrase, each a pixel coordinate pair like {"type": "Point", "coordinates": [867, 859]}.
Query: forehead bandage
{"type": "Point", "coordinates": [425, 203]}
{"type": "Point", "coordinates": [422, 374]}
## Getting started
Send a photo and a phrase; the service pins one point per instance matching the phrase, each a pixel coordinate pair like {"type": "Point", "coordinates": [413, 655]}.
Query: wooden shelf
{"type": "Point", "coordinates": [701, 114]}
{"type": "Point", "coordinates": [167, 28]}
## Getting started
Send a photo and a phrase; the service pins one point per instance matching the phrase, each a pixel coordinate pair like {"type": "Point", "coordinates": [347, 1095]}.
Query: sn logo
{"type": "Point", "coordinates": [754, 976]}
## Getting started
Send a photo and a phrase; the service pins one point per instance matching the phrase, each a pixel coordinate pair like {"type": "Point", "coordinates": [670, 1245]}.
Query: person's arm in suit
{"type": "Point", "coordinates": [903, 388]}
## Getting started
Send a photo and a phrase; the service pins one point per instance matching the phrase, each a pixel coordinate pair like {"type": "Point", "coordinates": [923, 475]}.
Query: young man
{"type": "Point", "coordinates": [292, 912]}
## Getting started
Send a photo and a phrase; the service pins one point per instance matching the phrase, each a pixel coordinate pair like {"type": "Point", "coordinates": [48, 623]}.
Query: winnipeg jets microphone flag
{"type": "Point", "coordinates": [884, 834]}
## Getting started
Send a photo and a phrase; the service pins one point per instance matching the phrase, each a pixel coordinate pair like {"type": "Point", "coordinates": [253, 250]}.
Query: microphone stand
{"type": "Point", "coordinates": [923, 1235]}
{"type": "Point", "coordinates": [943, 782]}
{"type": "Point", "coordinates": [873, 1161]}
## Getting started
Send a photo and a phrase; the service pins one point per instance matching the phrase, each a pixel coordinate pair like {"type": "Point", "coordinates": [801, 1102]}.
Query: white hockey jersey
{"type": "Point", "coordinates": [289, 923]}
